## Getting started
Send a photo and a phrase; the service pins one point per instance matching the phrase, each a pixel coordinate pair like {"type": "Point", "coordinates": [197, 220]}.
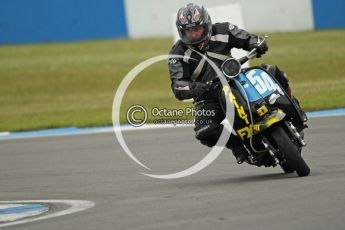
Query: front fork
{"type": "Point", "coordinates": [267, 148]}
{"type": "Point", "coordinates": [297, 137]}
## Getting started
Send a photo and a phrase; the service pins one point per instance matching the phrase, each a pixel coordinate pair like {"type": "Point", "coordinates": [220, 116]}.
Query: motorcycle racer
{"type": "Point", "coordinates": [190, 74]}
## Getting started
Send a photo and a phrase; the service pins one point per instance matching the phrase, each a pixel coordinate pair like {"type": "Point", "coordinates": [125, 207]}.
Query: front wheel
{"type": "Point", "coordinates": [287, 167]}
{"type": "Point", "coordinates": [290, 151]}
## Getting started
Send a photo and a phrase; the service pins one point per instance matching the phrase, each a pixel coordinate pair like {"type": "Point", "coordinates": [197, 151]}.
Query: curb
{"type": "Point", "coordinates": [80, 131]}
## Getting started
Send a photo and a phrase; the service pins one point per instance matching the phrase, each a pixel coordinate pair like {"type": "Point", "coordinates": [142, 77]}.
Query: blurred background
{"type": "Point", "coordinates": [61, 61]}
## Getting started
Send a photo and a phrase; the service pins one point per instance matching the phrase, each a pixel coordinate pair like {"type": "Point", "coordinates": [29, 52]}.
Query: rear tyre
{"type": "Point", "coordinates": [290, 151]}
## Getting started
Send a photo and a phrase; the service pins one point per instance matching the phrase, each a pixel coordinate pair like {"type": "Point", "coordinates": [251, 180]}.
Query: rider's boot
{"type": "Point", "coordinates": [283, 80]}
{"type": "Point", "coordinates": [240, 154]}
{"type": "Point", "coordinates": [238, 150]}
{"type": "Point", "coordinates": [296, 101]}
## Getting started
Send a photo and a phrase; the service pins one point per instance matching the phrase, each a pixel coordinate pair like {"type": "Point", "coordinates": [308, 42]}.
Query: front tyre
{"type": "Point", "coordinates": [287, 167]}
{"type": "Point", "coordinates": [289, 149]}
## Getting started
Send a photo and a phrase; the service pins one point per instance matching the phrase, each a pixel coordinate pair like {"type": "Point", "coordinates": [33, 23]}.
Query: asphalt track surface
{"type": "Point", "coordinates": [223, 196]}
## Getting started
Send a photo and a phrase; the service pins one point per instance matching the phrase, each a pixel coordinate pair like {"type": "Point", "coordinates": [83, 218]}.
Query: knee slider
{"type": "Point", "coordinates": [209, 134]}
{"type": "Point", "coordinates": [207, 131]}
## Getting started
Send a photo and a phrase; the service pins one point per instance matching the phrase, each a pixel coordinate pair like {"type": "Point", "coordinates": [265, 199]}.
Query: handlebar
{"type": "Point", "coordinates": [215, 83]}
{"type": "Point", "coordinates": [252, 54]}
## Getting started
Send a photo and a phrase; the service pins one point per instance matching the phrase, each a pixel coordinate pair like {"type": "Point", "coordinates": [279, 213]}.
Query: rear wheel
{"type": "Point", "coordinates": [290, 151]}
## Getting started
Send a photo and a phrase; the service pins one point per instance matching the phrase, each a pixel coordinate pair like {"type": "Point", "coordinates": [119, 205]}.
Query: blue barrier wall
{"type": "Point", "coordinates": [329, 14]}
{"type": "Point", "coordinates": [27, 21]}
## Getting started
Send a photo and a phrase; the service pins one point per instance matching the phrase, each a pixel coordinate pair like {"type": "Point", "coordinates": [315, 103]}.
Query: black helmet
{"type": "Point", "coordinates": [192, 18]}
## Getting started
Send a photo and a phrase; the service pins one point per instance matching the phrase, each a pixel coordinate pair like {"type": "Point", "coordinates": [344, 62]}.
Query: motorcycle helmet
{"type": "Point", "coordinates": [194, 26]}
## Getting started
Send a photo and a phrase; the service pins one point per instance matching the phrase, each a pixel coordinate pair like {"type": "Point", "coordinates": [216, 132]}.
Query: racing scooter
{"type": "Point", "coordinates": [268, 123]}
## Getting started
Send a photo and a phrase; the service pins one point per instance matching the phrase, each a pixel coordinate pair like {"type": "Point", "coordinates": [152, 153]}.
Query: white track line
{"type": "Point", "coordinates": [4, 133]}
{"type": "Point", "coordinates": [13, 216]}
{"type": "Point", "coordinates": [76, 206]}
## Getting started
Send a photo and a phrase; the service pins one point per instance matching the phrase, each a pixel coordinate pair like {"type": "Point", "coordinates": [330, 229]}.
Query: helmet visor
{"type": "Point", "coordinates": [194, 35]}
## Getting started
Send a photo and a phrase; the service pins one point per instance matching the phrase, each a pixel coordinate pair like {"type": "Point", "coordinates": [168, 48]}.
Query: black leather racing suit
{"type": "Point", "coordinates": [189, 72]}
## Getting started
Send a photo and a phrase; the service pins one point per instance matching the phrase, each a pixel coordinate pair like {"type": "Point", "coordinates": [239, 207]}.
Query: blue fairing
{"type": "Point", "coordinates": [256, 83]}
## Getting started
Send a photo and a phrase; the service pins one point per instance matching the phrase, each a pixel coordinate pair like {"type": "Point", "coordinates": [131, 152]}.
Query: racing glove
{"type": "Point", "coordinates": [254, 43]}
{"type": "Point", "coordinates": [198, 88]}
{"type": "Point", "coordinates": [262, 49]}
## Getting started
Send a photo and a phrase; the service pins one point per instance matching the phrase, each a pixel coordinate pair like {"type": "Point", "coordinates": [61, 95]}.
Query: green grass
{"type": "Point", "coordinates": [73, 84]}
{"type": "Point", "coordinates": [315, 65]}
